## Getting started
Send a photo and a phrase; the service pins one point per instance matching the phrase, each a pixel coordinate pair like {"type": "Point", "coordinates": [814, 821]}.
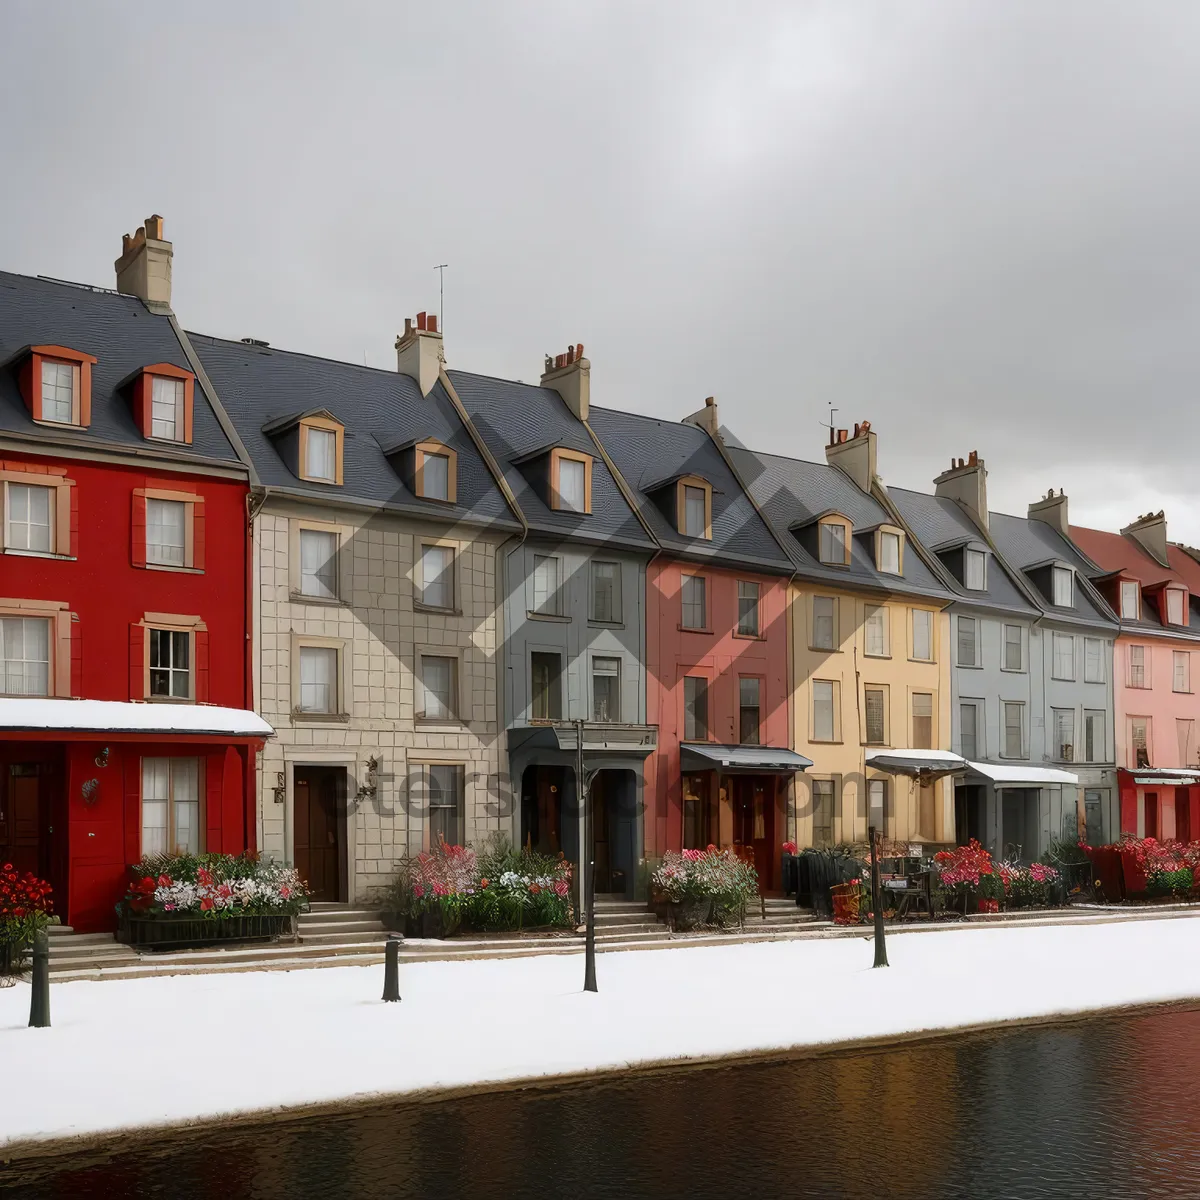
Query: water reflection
{"type": "Point", "coordinates": [1098, 1109]}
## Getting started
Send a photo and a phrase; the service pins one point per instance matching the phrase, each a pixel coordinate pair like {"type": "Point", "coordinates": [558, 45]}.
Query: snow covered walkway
{"type": "Point", "coordinates": [168, 1050]}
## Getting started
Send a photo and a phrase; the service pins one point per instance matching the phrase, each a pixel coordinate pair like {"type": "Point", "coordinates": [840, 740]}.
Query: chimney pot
{"type": "Point", "coordinates": [421, 320]}
{"type": "Point", "coordinates": [856, 429]}
{"type": "Point", "coordinates": [578, 349]}
{"type": "Point", "coordinates": [973, 458]}
{"type": "Point", "coordinates": [842, 434]}
{"type": "Point", "coordinates": [710, 401]}
{"type": "Point", "coordinates": [432, 323]}
{"type": "Point", "coordinates": [408, 327]}
{"type": "Point", "coordinates": [154, 227]}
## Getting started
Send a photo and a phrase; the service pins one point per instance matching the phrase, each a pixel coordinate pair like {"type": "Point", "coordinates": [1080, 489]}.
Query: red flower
{"type": "Point", "coordinates": [206, 904]}
{"type": "Point", "coordinates": [164, 881]}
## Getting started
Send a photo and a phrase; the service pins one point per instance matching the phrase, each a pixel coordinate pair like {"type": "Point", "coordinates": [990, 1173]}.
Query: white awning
{"type": "Point", "coordinates": [1015, 775]}
{"type": "Point", "coordinates": [922, 764]}
{"type": "Point", "coordinates": [34, 715]}
{"type": "Point", "coordinates": [1150, 776]}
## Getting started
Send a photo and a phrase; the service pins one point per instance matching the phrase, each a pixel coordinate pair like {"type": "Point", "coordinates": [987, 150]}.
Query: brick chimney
{"type": "Point", "coordinates": [419, 353]}
{"type": "Point", "coordinates": [706, 417]}
{"type": "Point", "coordinates": [853, 456]}
{"type": "Point", "coordinates": [966, 482]}
{"type": "Point", "coordinates": [1051, 509]}
{"type": "Point", "coordinates": [1150, 532]}
{"type": "Point", "coordinates": [570, 375]}
{"type": "Point", "coordinates": [144, 268]}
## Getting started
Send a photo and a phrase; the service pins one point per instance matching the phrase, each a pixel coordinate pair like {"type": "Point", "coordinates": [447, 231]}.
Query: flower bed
{"type": "Point", "coordinates": [1145, 868]}
{"type": "Point", "coordinates": [25, 907]}
{"type": "Point", "coordinates": [969, 878]}
{"type": "Point", "coordinates": [702, 887]}
{"type": "Point", "coordinates": [188, 900]}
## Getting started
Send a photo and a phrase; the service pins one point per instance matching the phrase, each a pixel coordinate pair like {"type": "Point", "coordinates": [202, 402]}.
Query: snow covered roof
{"type": "Point", "coordinates": [119, 716]}
{"type": "Point", "coordinates": [1168, 775]}
{"type": "Point", "coordinates": [1021, 776]}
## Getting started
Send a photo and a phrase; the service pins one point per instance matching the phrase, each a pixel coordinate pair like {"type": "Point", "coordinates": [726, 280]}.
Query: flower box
{"type": "Point", "coordinates": [169, 932]}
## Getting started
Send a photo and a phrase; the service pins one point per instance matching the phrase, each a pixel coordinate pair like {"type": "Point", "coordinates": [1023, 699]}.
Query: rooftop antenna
{"type": "Point", "coordinates": [832, 410]}
{"type": "Point", "coordinates": [441, 270]}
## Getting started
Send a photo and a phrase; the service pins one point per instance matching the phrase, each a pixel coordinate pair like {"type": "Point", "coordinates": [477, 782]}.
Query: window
{"type": "Point", "coordinates": [694, 500]}
{"type": "Point", "coordinates": [922, 634]}
{"type": "Point", "coordinates": [58, 392]}
{"type": "Point", "coordinates": [750, 711]}
{"type": "Point", "coordinates": [1139, 738]}
{"type": "Point", "coordinates": [747, 608]}
{"type": "Point", "coordinates": [606, 689]}
{"type": "Point", "coordinates": [695, 606]}
{"type": "Point", "coordinates": [320, 458]}
{"type": "Point", "coordinates": [1014, 648]}
{"type": "Point", "coordinates": [1094, 740]}
{"type": "Point", "coordinates": [30, 513]}
{"type": "Point", "coordinates": [1064, 581]}
{"type": "Point", "coordinates": [875, 706]}
{"type": "Point", "coordinates": [443, 787]}
{"type": "Point", "coordinates": [974, 570]}
{"type": "Point", "coordinates": [824, 635]}
{"type": "Point", "coordinates": [968, 736]}
{"type": "Point", "coordinates": [877, 803]}
{"type": "Point", "coordinates": [1175, 607]}
{"type": "Point", "coordinates": [1064, 656]}
{"type": "Point", "coordinates": [1181, 677]}
{"type": "Point", "coordinates": [822, 803]}
{"type": "Point", "coordinates": [922, 720]}
{"type": "Point", "coordinates": [25, 656]}
{"type": "Point", "coordinates": [875, 630]}
{"type": "Point", "coordinates": [1014, 729]}
{"type": "Point", "coordinates": [170, 657]}
{"type": "Point", "coordinates": [700, 819]}
{"type": "Point", "coordinates": [546, 675]}
{"type": "Point", "coordinates": [966, 642]}
{"type": "Point", "coordinates": [166, 532]}
{"type": "Point", "coordinates": [572, 495]}
{"type": "Point", "coordinates": [166, 408]}
{"type": "Point", "coordinates": [1185, 731]}
{"type": "Point", "coordinates": [833, 543]}
{"type": "Point", "coordinates": [824, 711]}
{"type": "Point", "coordinates": [695, 708]}
{"type": "Point", "coordinates": [606, 592]}
{"type": "Point", "coordinates": [319, 564]}
{"type": "Point", "coordinates": [1064, 734]}
{"type": "Point", "coordinates": [437, 687]}
{"type": "Point", "coordinates": [545, 585]}
{"type": "Point", "coordinates": [435, 476]}
{"type": "Point", "coordinates": [437, 576]}
{"type": "Point", "coordinates": [1130, 595]}
{"type": "Point", "coordinates": [1137, 667]}
{"type": "Point", "coordinates": [889, 552]}
{"type": "Point", "coordinates": [318, 679]}
{"type": "Point", "coordinates": [171, 806]}
{"type": "Point", "coordinates": [1093, 660]}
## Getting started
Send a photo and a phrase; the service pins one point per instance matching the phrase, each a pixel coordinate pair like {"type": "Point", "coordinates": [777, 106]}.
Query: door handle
{"type": "Point", "coordinates": [332, 839]}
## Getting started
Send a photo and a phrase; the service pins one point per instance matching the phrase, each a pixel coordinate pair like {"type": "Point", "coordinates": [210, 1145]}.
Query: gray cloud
{"type": "Point", "coordinates": [971, 223]}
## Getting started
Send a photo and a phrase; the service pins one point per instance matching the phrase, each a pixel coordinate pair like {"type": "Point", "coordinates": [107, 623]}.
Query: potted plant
{"type": "Point", "coordinates": [25, 907]}
{"type": "Point", "coordinates": [440, 882]}
{"type": "Point", "coordinates": [699, 887]}
{"type": "Point", "coordinates": [789, 869]}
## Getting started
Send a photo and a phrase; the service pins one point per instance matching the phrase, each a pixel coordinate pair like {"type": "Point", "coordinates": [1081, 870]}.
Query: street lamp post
{"type": "Point", "coordinates": [587, 875]}
{"type": "Point", "coordinates": [877, 902]}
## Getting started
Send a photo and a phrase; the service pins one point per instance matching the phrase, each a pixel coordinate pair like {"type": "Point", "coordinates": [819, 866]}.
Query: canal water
{"type": "Point", "coordinates": [1103, 1108]}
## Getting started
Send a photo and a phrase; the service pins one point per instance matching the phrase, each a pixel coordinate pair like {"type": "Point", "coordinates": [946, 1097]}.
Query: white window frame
{"type": "Point", "coordinates": [1065, 577]}
{"type": "Point", "coordinates": [174, 639]}
{"type": "Point", "coordinates": [828, 546]}
{"type": "Point", "coordinates": [876, 631]}
{"type": "Point", "coordinates": [440, 474]}
{"type": "Point", "coordinates": [975, 560]}
{"type": "Point", "coordinates": [156, 551]}
{"type": "Point", "coordinates": [1138, 674]}
{"type": "Point", "coordinates": [328, 653]}
{"type": "Point", "coordinates": [1131, 598]}
{"type": "Point", "coordinates": [1181, 679]}
{"type": "Point", "coordinates": [439, 709]}
{"type": "Point", "coordinates": [687, 621]}
{"type": "Point", "coordinates": [1176, 606]}
{"type": "Point", "coordinates": [448, 584]}
{"type": "Point", "coordinates": [175, 768]}
{"type": "Point", "coordinates": [692, 496]}
{"type": "Point", "coordinates": [57, 367]}
{"type": "Point", "coordinates": [320, 588]}
{"type": "Point", "coordinates": [316, 436]}
{"type": "Point", "coordinates": [8, 674]}
{"type": "Point", "coordinates": [173, 393]}
{"type": "Point", "coordinates": [1093, 651]}
{"type": "Point", "coordinates": [1007, 642]}
{"type": "Point", "coordinates": [572, 471]}
{"type": "Point", "coordinates": [1062, 656]}
{"type": "Point", "coordinates": [889, 552]}
{"type": "Point", "coordinates": [13, 488]}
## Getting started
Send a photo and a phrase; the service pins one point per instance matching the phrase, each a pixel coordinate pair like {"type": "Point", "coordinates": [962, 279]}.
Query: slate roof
{"type": "Point", "coordinates": [794, 492]}
{"type": "Point", "coordinates": [124, 336]}
{"type": "Point", "coordinates": [650, 452]}
{"type": "Point", "coordinates": [938, 522]}
{"type": "Point", "coordinates": [260, 385]}
{"type": "Point", "coordinates": [516, 419]}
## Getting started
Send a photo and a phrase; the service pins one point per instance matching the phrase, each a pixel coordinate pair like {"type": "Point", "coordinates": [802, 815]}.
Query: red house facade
{"type": "Point", "coordinates": [124, 656]}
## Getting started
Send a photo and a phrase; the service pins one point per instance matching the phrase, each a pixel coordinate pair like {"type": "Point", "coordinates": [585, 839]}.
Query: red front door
{"type": "Point", "coordinates": [754, 823]}
{"type": "Point", "coordinates": [20, 818]}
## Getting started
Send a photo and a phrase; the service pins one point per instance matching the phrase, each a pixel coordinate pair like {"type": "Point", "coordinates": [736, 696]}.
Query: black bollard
{"type": "Point", "coordinates": [877, 905]}
{"type": "Point", "coordinates": [39, 999]}
{"type": "Point", "coordinates": [391, 970]}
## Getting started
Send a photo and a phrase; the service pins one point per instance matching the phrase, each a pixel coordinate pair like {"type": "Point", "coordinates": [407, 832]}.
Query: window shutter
{"type": "Point", "coordinates": [198, 534]}
{"type": "Point", "coordinates": [143, 392]}
{"type": "Point", "coordinates": [139, 530]}
{"type": "Point", "coordinates": [76, 656]}
{"type": "Point", "coordinates": [73, 539]}
{"type": "Point", "coordinates": [137, 662]}
{"type": "Point", "coordinates": [201, 647]}
{"type": "Point", "coordinates": [133, 805]}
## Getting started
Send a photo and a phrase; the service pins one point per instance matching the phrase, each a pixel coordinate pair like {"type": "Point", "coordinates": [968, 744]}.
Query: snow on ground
{"type": "Point", "coordinates": [168, 1050]}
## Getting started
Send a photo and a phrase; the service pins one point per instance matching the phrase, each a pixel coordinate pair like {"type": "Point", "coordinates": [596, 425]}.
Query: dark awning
{"type": "Point", "coordinates": [704, 756]}
{"type": "Point", "coordinates": [599, 737]}
{"type": "Point", "coordinates": [920, 764]}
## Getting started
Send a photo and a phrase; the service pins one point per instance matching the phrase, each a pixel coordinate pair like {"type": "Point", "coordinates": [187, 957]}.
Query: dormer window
{"type": "Point", "coordinates": [889, 547]}
{"type": "Point", "coordinates": [1064, 587]}
{"type": "Point", "coordinates": [693, 507]}
{"type": "Point", "coordinates": [1176, 606]}
{"type": "Point", "coordinates": [833, 543]}
{"type": "Point", "coordinates": [162, 402]}
{"type": "Point", "coordinates": [1130, 600]}
{"type": "Point", "coordinates": [435, 475]}
{"type": "Point", "coordinates": [974, 570]}
{"type": "Point", "coordinates": [570, 481]}
{"type": "Point", "coordinates": [56, 384]}
{"type": "Point", "coordinates": [321, 450]}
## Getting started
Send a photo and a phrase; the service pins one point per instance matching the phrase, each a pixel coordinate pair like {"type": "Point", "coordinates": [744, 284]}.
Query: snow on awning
{"type": "Point", "coordinates": [1010, 775]}
{"type": "Point", "coordinates": [32, 714]}
{"type": "Point", "coordinates": [920, 764]}
{"type": "Point", "coordinates": [705, 756]}
{"type": "Point", "coordinates": [1165, 775]}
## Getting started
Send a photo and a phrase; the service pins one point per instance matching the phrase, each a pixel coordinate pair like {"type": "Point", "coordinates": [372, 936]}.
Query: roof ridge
{"type": "Point", "coordinates": [271, 349]}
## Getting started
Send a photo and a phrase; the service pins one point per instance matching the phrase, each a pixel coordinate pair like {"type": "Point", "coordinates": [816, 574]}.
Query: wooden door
{"type": "Point", "coordinates": [1183, 815]}
{"type": "Point", "coordinates": [754, 824]}
{"type": "Point", "coordinates": [20, 819]}
{"type": "Point", "coordinates": [317, 831]}
{"type": "Point", "coordinates": [1151, 821]}
{"type": "Point", "coordinates": [601, 815]}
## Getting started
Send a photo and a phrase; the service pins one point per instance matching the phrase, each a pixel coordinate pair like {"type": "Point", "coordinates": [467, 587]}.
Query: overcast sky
{"type": "Point", "coordinates": [974, 224]}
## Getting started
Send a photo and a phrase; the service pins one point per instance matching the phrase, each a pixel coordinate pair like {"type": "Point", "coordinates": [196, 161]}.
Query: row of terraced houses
{"type": "Point", "coordinates": [254, 599]}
